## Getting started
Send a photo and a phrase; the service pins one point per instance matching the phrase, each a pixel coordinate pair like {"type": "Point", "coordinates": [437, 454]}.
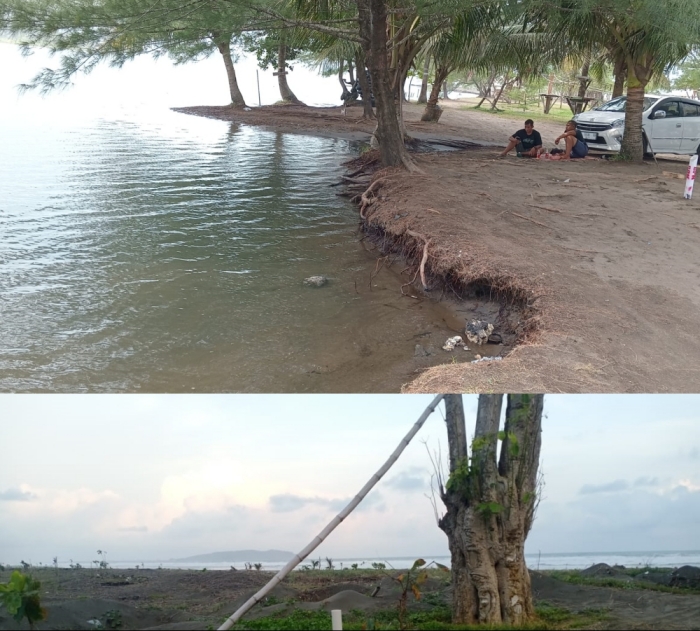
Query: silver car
{"type": "Point", "coordinates": [671, 123]}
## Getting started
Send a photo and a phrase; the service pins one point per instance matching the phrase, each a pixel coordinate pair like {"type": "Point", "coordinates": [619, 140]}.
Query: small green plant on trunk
{"type": "Point", "coordinates": [20, 596]}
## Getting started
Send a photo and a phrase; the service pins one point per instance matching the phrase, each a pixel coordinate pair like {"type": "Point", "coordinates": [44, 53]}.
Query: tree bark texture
{"type": "Point", "coordinates": [423, 96]}
{"type": "Point", "coordinates": [584, 83]}
{"type": "Point", "coordinates": [432, 110]}
{"type": "Point", "coordinates": [237, 99]}
{"type": "Point", "coordinates": [490, 503]}
{"type": "Point", "coordinates": [372, 20]}
{"type": "Point", "coordinates": [341, 79]}
{"type": "Point", "coordinates": [360, 64]}
{"type": "Point", "coordinates": [620, 72]}
{"type": "Point", "coordinates": [632, 147]}
{"type": "Point", "coordinates": [285, 92]}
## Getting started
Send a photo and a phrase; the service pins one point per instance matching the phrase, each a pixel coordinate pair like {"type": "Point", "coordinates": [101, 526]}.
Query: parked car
{"type": "Point", "coordinates": [671, 123]}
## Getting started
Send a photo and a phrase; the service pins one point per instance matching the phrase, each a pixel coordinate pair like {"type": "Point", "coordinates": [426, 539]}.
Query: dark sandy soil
{"type": "Point", "coordinates": [173, 599]}
{"type": "Point", "coordinates": [602, 256]}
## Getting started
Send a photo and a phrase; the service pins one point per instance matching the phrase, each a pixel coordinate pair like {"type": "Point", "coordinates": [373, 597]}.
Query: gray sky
{"type": "Point", "coordinates": [156, 477]}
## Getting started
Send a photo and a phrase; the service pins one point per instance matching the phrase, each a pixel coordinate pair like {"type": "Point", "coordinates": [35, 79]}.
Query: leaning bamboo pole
{"type": "Point", "coordinates": [279, 577]}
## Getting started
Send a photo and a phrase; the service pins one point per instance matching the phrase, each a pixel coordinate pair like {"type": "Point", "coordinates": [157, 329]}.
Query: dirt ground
{"type": "Point", "coordinates": [174, 599]}
{"type": "Point", "coordinates": [456, 123]}
{"type": "Point", "coordinates": [603, 255]}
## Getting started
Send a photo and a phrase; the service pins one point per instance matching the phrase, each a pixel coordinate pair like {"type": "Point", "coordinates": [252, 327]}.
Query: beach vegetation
{"type": "Point", "coordinates": [436, 618]}
{"type": "Point", "coordinates": [21, 597]}
{"type": "Point", "coordinates": [112, 619]}
{"type": "Point", "coordinates": [505, 48]}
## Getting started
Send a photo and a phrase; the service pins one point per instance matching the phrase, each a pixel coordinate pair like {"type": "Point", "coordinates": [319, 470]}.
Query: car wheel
{"type": "Point", "coordinates": [647, 153]}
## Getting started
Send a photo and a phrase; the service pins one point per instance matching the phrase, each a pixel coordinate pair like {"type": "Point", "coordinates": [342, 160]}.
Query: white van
{"type": "Point", "coordinates": [671, 123]}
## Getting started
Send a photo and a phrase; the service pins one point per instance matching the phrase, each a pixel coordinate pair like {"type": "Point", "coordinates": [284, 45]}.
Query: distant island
{"type": "Point", "coordinates": [245, 556]}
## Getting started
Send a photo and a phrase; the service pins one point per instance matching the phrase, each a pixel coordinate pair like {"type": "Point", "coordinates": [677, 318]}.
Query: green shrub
{"type": "Point", "coordinates": [20, 596]}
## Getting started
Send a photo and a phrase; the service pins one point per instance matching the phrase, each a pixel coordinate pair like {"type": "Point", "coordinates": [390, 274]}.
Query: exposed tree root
{"type": "Point", "coordinates": [365, 200]}
{"type": "Point", "coordinates": [426, 242]}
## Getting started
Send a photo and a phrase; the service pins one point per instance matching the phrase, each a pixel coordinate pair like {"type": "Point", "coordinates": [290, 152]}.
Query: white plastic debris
{"type": "Point", "coordinates": [690, 177]}
{"type": "Point", "coordinates": [478, 331]}
{"type": "Point", "coordinates": [452, 342]}
{"type": "Point", "coordinates": [316, 281]}
{"type": "Point", "coordinates": [486, 359]}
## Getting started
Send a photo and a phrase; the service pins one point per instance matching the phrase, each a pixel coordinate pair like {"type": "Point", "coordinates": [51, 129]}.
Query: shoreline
{"type": "Point", "coordinates": [566, 242]}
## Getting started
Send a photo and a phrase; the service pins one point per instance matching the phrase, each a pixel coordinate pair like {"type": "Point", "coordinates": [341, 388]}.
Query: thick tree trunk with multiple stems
{"type": "Point", "coordinates": [491, 503]}
{"type": "Point", "coordinates": [432, 110]}
{"type": "Point", "coordinates": [285, 92]}
{"type": "Point", "coordinates": [372, 19]}
{"type": "Point", "coordinates": [237, 99]}
{"type": "Point", "coordinates": [423, 96]}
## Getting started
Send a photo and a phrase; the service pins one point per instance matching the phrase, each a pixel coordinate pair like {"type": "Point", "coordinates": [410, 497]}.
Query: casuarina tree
{"type": "Point", "coordinates": [491, 499]}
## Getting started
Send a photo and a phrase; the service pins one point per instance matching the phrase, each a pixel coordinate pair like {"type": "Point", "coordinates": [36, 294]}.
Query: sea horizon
{"type": "Point", "coordinates": [535, 561]}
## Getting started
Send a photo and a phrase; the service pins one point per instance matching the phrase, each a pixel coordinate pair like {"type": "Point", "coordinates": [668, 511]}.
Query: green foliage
{"type": "Point", "coordinates": [436, 618]}
{"type": "Point", "coordinates": [20, 596]}
{"type": "Point", "coordinates": [298, 619]}
{"type": "Point", "coordinates": [458, 481]}
{"type": "Point", "coordinates": [112, 619]}
{"type": "Point", "coordinates": [487, 509]}
{"type": "Point", "coordinates": [270, 601]}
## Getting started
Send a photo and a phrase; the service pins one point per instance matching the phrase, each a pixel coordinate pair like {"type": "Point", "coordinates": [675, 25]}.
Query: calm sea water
{"type": "Point", "coordinates": [145, 250]}
{"type": "Point", "coordinates": [535, 561]}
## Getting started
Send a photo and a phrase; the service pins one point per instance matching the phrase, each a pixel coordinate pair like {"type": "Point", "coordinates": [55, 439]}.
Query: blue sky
{"type": "Point", "coordinates": [157, 477]}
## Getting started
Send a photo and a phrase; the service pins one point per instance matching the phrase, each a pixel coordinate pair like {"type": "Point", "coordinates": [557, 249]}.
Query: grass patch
{"type": "Point", "coordinates": [533, 111]}
{"type": "Point", "coordinates": [548, 617]}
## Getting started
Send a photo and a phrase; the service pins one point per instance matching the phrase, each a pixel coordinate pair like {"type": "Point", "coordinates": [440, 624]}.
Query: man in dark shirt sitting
{"type": "Point", "coordinates": [526, 141]}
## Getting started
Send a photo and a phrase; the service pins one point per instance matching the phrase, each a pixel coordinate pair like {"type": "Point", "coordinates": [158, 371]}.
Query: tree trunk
{"type": "Point", "coordinates": [487, 91]}
{"type": "Point", "coordinates": [367, 112]}
{"type": "Point", "coordinates": [584, 81]}
{"type": "Point", "coordinates": [632, 143]}
{"type": "Point", "coordinates": [341, 80]}
{"type": "Point", "coordinates": [432, 110]}
{"type": "Point", "coordinates": [372, 19]}
{"type": "Point", "coordinates": [351, 71]}
{"type": "Point", "coordinates": [444, 91]}
{"type": "Point", "coordinates": [423, 96]}
{"type": "Point", "coordinates": [235, 92]}
{"type": "Point", "coordinates": [505, 83]}
{"type": "Point", "coordinates": [490, 508]}
{"type": "Point", "coordinates": [285, 92]}
{"type": "Point", "coordinates": [620, 71]}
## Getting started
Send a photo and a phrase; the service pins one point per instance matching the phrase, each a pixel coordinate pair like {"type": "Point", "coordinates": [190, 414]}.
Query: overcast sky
{"type": "Point", "coordinates": [157, 477]}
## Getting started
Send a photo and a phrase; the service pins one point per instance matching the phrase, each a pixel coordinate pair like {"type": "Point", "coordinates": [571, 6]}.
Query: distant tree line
{"type": "Point", "coordinates": [501, 44]}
